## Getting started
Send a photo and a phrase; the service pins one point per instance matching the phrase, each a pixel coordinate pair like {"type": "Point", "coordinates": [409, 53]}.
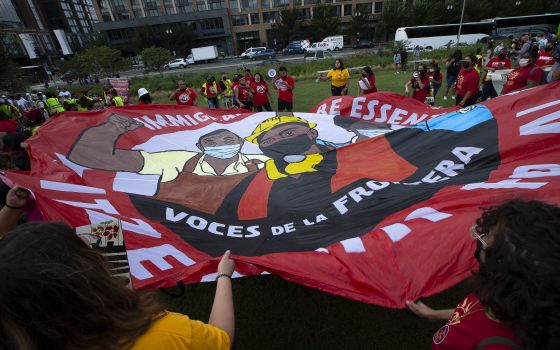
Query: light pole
{"type": "Point", "coordinates": [169, 33]}
{"type": "Point", "coordinates": [461, 23]}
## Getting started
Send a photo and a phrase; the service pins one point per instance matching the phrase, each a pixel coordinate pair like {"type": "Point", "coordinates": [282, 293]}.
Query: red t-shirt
{"type": "Point", "coordinates": [186, 97]}
{"type": "Point", "coordinates": [243, 93]}
{"type": "Point", "coordinates": [259, 90]}
{"type": "Point", "coordinates": [371, 81]}
{"type": "Point", "coordinates": [210, 90]}
{"type": "Point", "coordinates": [283, 93]}
{"type": "Point", "coordinates": [418, 93]}
{"type": "Point", "coordinates": [8, 125]}
{"type": "Point", "coordinates": [544, 59]}
{"type": "Point", "coordinates": [249, 78]}
{"type": "Point", "coordinates": [438, 79]}
{"type": "Point", "coordinates": [467, 80]}
{"type": "Point", "coordinates": [468, 326]}
{"type": "Point", "coordinates": [518, 78]}
{"type": "Point", "coordinates": [495, 62]}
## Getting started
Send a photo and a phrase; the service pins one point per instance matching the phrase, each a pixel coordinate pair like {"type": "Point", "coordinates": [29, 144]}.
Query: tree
{"type": "Point", "coordinates": [155, 57]}
{"type": "Point", "coordinates": [97, 39]}
{"type": "Point", "coordinates": [289, 25]}
{"type": "Point", "coordinates": [101, 61]}
{"type": "Point", "coordinates": [395, 13]}
{"type": "Point", "coordinates": [359, 24]}
{"type": "Point", "coordinates": [324, 22]}
{"type": "Point", "coordinates": [10, 80]}
{"type": "Point", "coordinates": [176, 37]}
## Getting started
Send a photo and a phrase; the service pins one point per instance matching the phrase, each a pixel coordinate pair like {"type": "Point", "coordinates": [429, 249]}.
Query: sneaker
{"type": "Point", "coordinates": [453, 97]}
{"type": "Point", "coordinates": [445, 98]}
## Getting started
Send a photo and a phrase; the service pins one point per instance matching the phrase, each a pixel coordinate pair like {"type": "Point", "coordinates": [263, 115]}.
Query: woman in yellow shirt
{"type": "Point", "coordinates": [58, 293]}
{"type": "Point", "coordinates": [339, 77]}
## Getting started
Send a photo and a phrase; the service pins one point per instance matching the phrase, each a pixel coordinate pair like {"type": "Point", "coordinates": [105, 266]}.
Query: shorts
{"type": "Point", "coordinates": [213, 102]}
{"type": "Point", "coordinates": [451, 79]}
{"type": "Point", "coordinates": [266, 106]}
{"type": "Point", "coordinates": [337, 90]}
{"type": "Point", "coordinates": [285, 105]}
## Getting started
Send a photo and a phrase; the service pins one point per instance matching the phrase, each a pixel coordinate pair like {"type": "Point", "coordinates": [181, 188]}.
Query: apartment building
{"type": "Point", "coordinates": [232, 25]}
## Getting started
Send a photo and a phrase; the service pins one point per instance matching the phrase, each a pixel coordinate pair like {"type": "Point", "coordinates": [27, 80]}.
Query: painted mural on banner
{"type": "Point", "coordinates": [122, 86]}
{"type": "Point", "coordinates": [377, 210]}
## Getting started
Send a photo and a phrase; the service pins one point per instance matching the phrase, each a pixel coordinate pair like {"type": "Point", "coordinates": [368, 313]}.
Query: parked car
{"type": "Point", "coordinates": [176, 63]}
{"type": "Point", "coordinates": [364, 44]}
{"type": "Point", "coordinates": [263, 54]}
{"type": "Point", "coordinates": [318, 55]}
{"type": "Point", "coordinates": [251, 50]}
{"type": "Point", "coordinates": [295, 47]}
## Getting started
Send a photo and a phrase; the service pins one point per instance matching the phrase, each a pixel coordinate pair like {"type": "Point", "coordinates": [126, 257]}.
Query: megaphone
{"type": "Point", "coordinates": [272, 72]}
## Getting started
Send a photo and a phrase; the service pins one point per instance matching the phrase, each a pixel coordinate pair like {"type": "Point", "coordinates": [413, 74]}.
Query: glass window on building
{"type": "Point", "coordinates": [378, 7]}
{"type": "Point", "coordinates": [248, 5]}
{"type": "Point", "coordinates": [184, 6]}
{"type": "Point", "coordinates": [151, 8]}
{"type": "Point", "coordinates": [348, 10]}
{"type": "Point", "coordinates": [201, 5]}
{"type": "Point", "coordinates": [246, 40]}
{"type": "Point", "coordinates": [280, 3]}
{"type": "Point", "coordinates": [35, 14]}
{"type": "Point", "coordinates": [239, 20]}
{"type": "Point", "coordinates": [169, 8]}
{"type": "Point", "coordinates": [234, 5]}
{"type": "Point", "coordinates": [266, 4]}
{"type": "Point", "coordinates": [255, 19]}
{"type": "Point", "coordinates": [364, 8]}
{"type": "Point", "coordinates": [305, 13]}
{"type": "Point", "coordinates": [338, 10]}
{"type": "Point", "coordinates": [269, 17]}
{"type": "Point", "coordinates": [310, 2]}
{"type": "Point", "coordinates": [105, 12]}
{"type": "Point", "coordinates": [216, 4]}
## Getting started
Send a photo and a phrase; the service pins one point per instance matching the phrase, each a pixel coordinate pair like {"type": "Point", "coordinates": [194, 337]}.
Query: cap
{"type": "Point", "coordinates": [503, 51]}
{"type": "Point", "coordinates": [270, 123]}
{"type": "Point", "coordinates": [142, 92]}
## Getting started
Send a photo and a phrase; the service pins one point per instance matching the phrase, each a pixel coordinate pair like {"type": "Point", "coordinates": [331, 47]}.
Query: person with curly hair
{"type": "Point", "coordinates": [516, 299]}
{"type": "Point", "coordinates": [58, 293]}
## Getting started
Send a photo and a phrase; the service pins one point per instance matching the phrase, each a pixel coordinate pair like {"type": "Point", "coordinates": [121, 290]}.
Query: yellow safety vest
{"type": "Point", "coordinates": [118, 101]}
{"type": "Point", "coordinates": [53, 106]}
{"type": "Point", "coordinates": [229, 91]}
{"type": "Point", "coordinates": [84, 108]}
{"type": "Point", "coordinates": [205, 94]}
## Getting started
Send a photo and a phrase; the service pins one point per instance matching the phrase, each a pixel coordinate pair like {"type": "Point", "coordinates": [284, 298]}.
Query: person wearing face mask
{"type": "Point", "coordinates": [420, 83]}
{"type": "Point", "coordinates": [366, 84]}
{"type": "Point", "coordinates": [211, 92]}
{"type": "Point", "coordinates": [467, 83]}
{"type": "Point", "coordinates": [184, 95]}
{"type": "Point", "coordinates": [243, 95]}
{"type": "Point", "coordinates": [514, 300]}
{"type": "Point", "coordinates": [496, 63]}
{"type": "Point", "coordinates": [453, 66]}
{"type": "Point", "coordinates": [526, 76]}
{"type": "Point", "coordinates": [261, 93]}
{"type": "Point", "coordinates": [436, 79]}
{"type": "Point", "coordinates": [554, 73]}
{"type": "Point", "coordinates": [227, 91]}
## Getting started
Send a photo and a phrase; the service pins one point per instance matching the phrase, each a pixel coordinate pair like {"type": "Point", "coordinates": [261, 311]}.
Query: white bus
{"type": "Point", "coordinates": [443, 35]}
{"type": "Point", "coordinates": [514, 27]}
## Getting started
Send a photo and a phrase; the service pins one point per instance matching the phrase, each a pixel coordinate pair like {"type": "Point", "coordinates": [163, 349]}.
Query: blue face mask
{"type": "Point", "coordinates": [222, 152]}
{"type": "Point", "coordinates": [373, 132]}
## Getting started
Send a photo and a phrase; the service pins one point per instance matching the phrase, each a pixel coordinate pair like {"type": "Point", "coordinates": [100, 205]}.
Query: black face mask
{"type": "Point", "coordinates": [502, 56]}
{"type": "Point", "coordinates": [292, 146]}
{"type": "Point", "coordinates": [183, 89]}
{"type": "Point", "coordinates": [364, 75]}
{"type": "Point", "coordinates": [422, 73]}
{"type": "Point", "coordinates": [466, 64]}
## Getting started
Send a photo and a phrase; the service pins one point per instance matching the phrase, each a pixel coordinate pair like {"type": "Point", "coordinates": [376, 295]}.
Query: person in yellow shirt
{"type": "Point", "coordinates": [339, 77]}
{"type": "Point", "coordinates": [79, 304]}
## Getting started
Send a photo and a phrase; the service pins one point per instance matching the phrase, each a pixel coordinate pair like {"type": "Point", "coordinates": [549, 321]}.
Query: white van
{"type": "Point", "coordinates": [322, 46]}
{"type": "Point", "coordinates": [250, 51]}
{"type": "Point", "coordinates": [336, 40]}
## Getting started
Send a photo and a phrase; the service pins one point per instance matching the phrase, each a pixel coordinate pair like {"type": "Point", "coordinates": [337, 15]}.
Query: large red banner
{"type": "Point", "coordinates": [375, 205]}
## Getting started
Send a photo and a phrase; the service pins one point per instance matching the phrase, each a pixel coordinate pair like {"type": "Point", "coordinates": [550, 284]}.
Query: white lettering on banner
{"type": "Point", "coordinates": [371, 107]}
{"type": "Point", "coordinates": [178, 120]}
{"type": "Point", "coordinates": [66, 187]}
{"type": "Point", "coordinates": [140, 226]}
{"type": "Point", "coordinates": [397, 115]}
{"type": "Point", "coordinates": [100, 204]}
{"type": "Point", "coordinates": [504, 184]}
{"type": "Point", "coordinates": [155, 255]}
{"type": "Point", "coordinates": [383, 114]}
{"type": "Point", "coordinates": [353, 245]}
{"type": "Point", "coordinates": [537, 108]}
{"type": "Point", "coordinates": [202, 117]}
{"type": "Point", "coordinates": [78, 169]}
{"type": "Point", "coordinates": [159, 123]}
{"type": "Point", "coordinates": [524, 171]}
{"type": "Point", "coordinates": [398, 231]}
{"type": "Point", "coordinates": [542, 125]}
{"type": "Point", "coordinates": [413, 119]}
{"type": "Point", "coordinates": [335, 106]}
{"type": "Point", "coordinates": [322, 109]}
{"type": "Point", "coordinates": [538, 170]}
{"type": "Point", "coordinates": [465, 154]}
{"type": "Point", "coordinates": [357, 107]}
{"type": "Point", "coordinates": [202, 224]}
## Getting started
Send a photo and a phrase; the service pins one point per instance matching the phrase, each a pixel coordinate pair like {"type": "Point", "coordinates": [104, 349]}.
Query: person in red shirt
{"type": "Point", "coordinates": [211, 92]}
{"type": "Point", "coordinates": [496, 63]}
{"type": "Point", "coordinates": [184, 95]}
{"type": "Point", "coordinates": [527, 75]}
{"type": "Point", "coordinates": [248, 76]}
{"type": "Point", "coordinates": [242, 93]}
{"type": "Point", "coordinates": [544, 58]}
{"type": "Point", "coordinates": [420, 84]}
{"type": "Point", "coordinates": [514, 303]}
{"type": "Point", "coordinates": [261, 93]}
{"type": "Point", "coordinates": [366, 84]}
{"type": "Point", "coordinates": [436, 79]}
{"type": "Point", "coordinates": [285, 86]}
{"type": "Point", "coordinates": [467, 83]}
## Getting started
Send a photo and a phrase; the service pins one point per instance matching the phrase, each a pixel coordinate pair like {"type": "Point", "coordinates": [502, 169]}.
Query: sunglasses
{"type": "Point", "coordinates": [479, 236]}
